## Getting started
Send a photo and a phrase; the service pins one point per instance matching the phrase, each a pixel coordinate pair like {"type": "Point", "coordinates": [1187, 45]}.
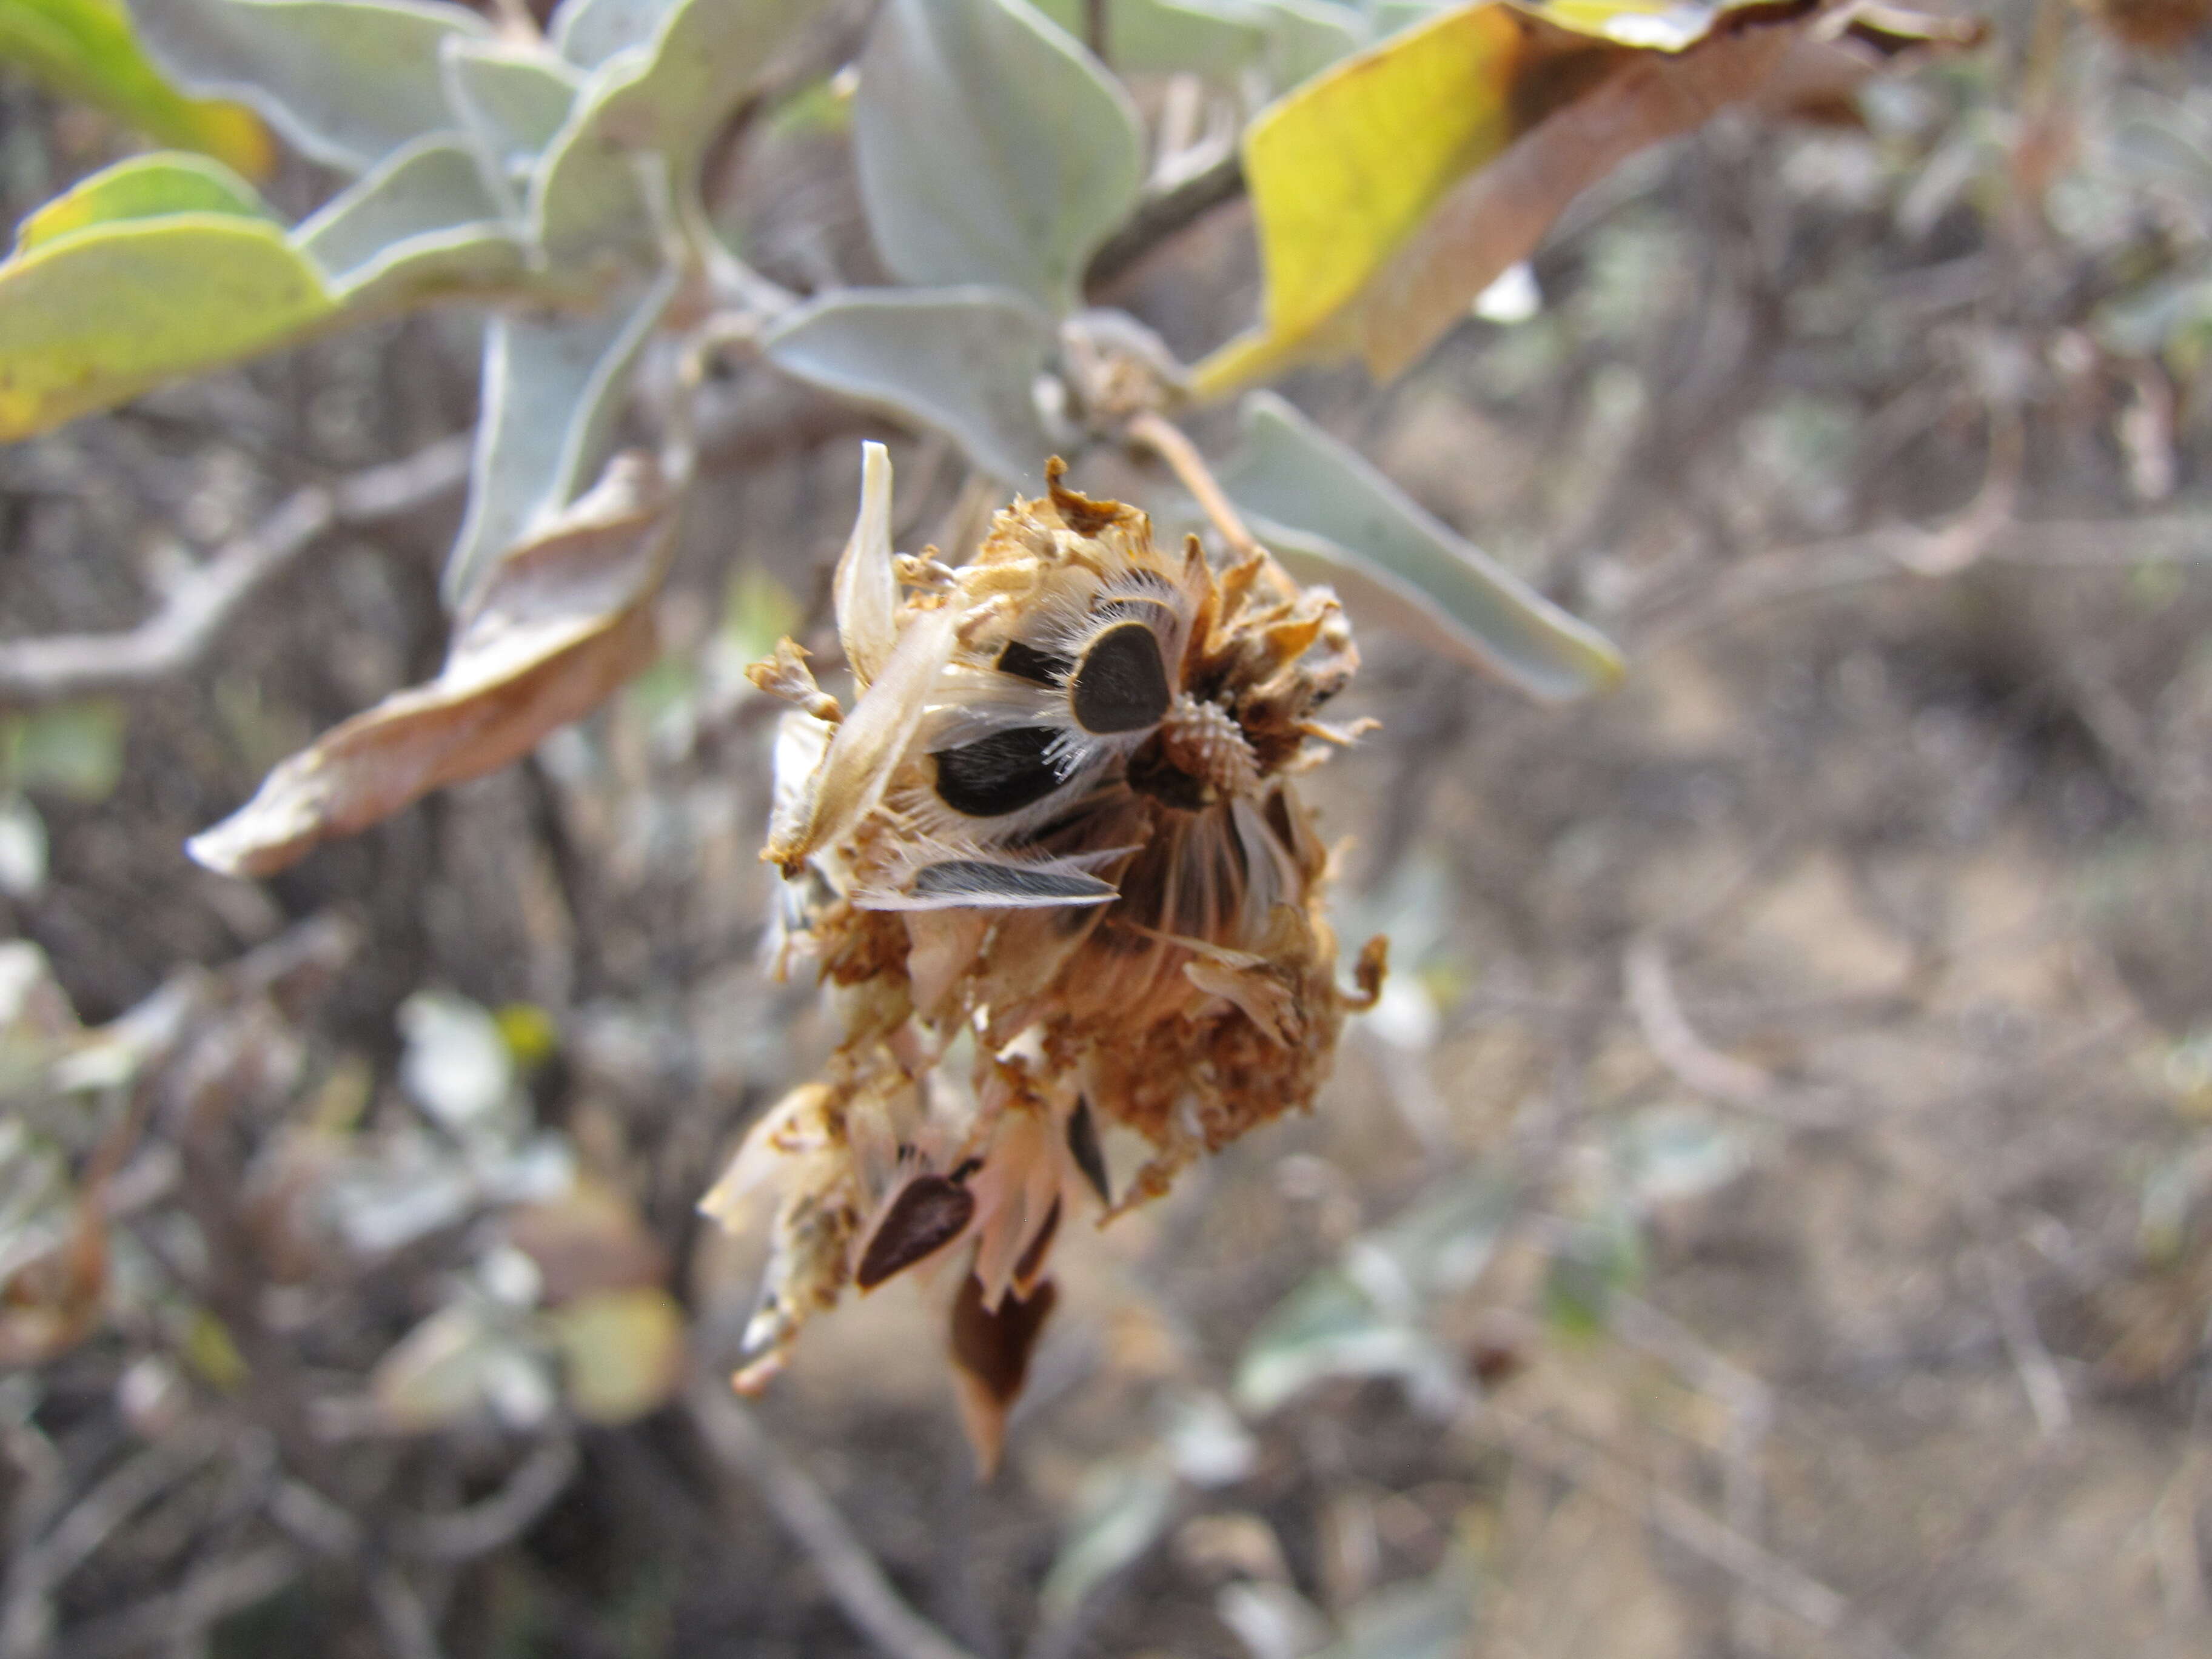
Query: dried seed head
{"type": "Point", "coordinates": [1052, 860]}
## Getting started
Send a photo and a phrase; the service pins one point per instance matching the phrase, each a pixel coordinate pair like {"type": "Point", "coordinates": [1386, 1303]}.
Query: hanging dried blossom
{"type": "Point", "coordinates": [1052, 866]}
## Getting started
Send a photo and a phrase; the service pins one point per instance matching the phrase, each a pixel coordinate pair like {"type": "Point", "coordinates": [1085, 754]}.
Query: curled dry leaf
{"type": "Point", "coordinates": [565, 619]}
{"type": "Point", "coordinates": [867, 592]}
{"type": "Point", "coordinates": [52, 1302]}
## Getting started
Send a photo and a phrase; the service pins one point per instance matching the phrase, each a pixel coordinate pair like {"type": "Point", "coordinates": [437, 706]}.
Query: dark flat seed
{"type": "Point", "coordinates": [997, 774]}
{"type": "Point", "coordinates": [1121, 684]}
{"type": "Point", "coordinates": [1090, 1158]}
{"type": "Point", "coordinates": [994, 1348]}
{"type": "Point", "coordinates": [924, 1216]}
{"type": "Point", "coordinates": [1039, 667]}
{"type": "Point", "coordinates": [1031, 1267]}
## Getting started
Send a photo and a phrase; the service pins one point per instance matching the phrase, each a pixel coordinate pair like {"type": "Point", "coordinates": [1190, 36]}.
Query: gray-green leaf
{"type": "Point", "coordinates": [424, 219]}
{"type": "Point", "coordinates": [1439, 1244]}
{"type": "Point", "coordinates": [963, 360]}
{"type": "Point", "coordinates": [1272, 1620]}
{"type": "Point", "coordinates": [1284, 40]}
{"type": "Point", "coordinates": [1206, 37]}
{"type": "Point", "coordinates": [346, 81]}
{"type": "Point", "coordinates": [553, 387]}
{"type": "Point", "coordinates": [1304, 37]}
{"type": "Point", "coordinates": [22, 848]}
{"type": "Point", "coordinates": [665, 96]}
{"type": "Point", "coordinates": [991, 146]}
{"type": "Point", "coordinates": [1425, 1619]}
{"type": "Point", "coordinates": [511, 100]}
{"type": "Point", "coordinates": [456, 1066]}
{"type": "Point", "coordinates": [1123, 1510]}
{"type": "Point", "coordinates": [589, 32]}
{"type": "Point", "coordinates": [1331, 516]}
{"type": "Point", "coordinates": [1330, 1327]}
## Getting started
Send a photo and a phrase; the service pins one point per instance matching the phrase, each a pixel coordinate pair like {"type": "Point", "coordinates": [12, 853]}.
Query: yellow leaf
{"type": "Point", "coordinates": [1344, 170]}
{"type": "Point", "coordinates": [209, 1350]}
{"type": "Point", "coordinates": [87, 49]}
{"type": "Point", "coordinates": [143, 188]}
{"type": "Point", "coordinates": [621, 1352]}
{"type": "Point", "coordinates": [1392, 189]}
{"type": "Point", "coordinates": [102, 314]}
{"type": "Point", "coordinates": [529, 1032]}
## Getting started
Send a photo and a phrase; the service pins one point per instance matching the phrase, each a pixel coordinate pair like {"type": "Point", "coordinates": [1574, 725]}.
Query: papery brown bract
{"type": "Point", "coordinates": [1057, 833]}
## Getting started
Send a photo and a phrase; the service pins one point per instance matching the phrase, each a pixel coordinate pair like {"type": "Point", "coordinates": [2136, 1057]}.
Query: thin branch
{"type": "Point", "coordinates": [505, 1516]}
{"type": "Point", "coordinates": [2038, 1373]}
{"type": "Point", "coordinates": [1695, 1063]}
{"type": "Point", "coordinates": [211, 1595]}
{"type": "Point", "coordinates": [182, 633]}
{"type": "Point", "coordinates": [1780, 1583]}
{"type": "Point", "coordinates": [2173, 1537]}
{"type": "Point", "coordinates": [1820, 568]}
{"type": "Point", "coordinates": [850, 1572]}
{"type": "Point", "coordinates": [1168, 441]}
{"type": "Point", "coordinates": [1668, 1034]}
{"type": "Point", "coordinates": [1163, 216]}
{"type": "Point", "coordinates": [1750, 1407]}
{"type": "Point", "coordinates": [309, 1518]}
{"type": "Point", "coordinates": [516, 23]}
{"type": "Point", "coordinates": [26, 1627]}
{"type": "Point", "coordinates": [401, 1619]}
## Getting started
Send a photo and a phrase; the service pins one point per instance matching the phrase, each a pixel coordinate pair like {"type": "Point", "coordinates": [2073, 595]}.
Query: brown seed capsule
{"type": "Point", "coordinates": [1057, 828]}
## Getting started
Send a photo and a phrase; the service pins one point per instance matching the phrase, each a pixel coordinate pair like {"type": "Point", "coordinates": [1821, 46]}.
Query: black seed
{"type": "Point", "coordinates": [924, 1216]}
{"type": "Point", "coordinates": [1121, 685]}
{"type": "Point", "coordinates": [1090, 1158]}
{"type": "Point", "coordinates": [997, 774]}
{"type": "Point", "coordinates": [1031, 1267]}
{"type": "Point", "coordinates": [994, 1348]}
{"type": "Point", "coordinates": [1038, 667]}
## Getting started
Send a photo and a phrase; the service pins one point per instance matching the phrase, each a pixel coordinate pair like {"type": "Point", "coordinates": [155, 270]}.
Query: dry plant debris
{"type": "Point", "coordinates": [1054, 845]}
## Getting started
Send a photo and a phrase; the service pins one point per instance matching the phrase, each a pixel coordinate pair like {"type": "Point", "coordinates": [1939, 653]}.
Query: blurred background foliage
{"type": "Point", "coordinates": [1770, 1211]}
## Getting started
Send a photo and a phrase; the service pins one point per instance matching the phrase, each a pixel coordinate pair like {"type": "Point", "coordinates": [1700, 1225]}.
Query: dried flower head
{"type": "Point", "coordinates": [1053, 866]}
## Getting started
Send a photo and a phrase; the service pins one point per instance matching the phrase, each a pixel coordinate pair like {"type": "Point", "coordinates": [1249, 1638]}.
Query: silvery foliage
{"type": "Point", "coordinates": [559, 179]}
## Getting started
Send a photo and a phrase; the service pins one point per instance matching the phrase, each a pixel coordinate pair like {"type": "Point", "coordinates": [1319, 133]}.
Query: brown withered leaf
{"type": "Point", "coordinates": [1497, 214]}
{"type": "Point", "coordinates": [928, 1214]}
{"type": "Point", "coordinates": [564, 618]}
{"type": "Point", "coordinates": [2153, 25]}
{"type": "Point", "coordinates": [991, 1359]}
{"type": "Point", "coordinates": [1817, 81]}
{"type": "Point", "coordinates": [53, 1301]}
